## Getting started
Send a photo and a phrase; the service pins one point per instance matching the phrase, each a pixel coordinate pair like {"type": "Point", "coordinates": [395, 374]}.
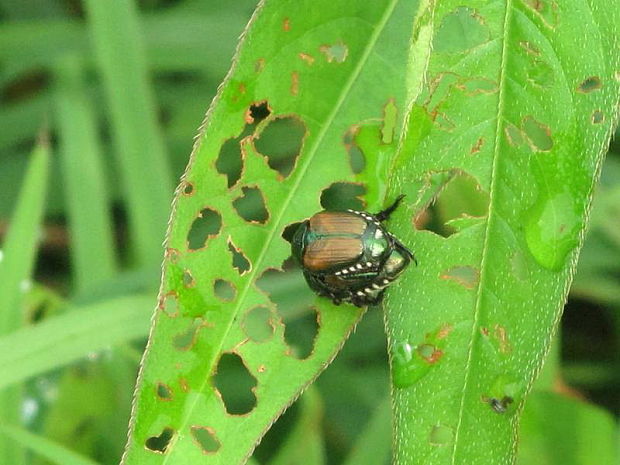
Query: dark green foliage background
{"type": "Point", "coordinates": [97, 267]}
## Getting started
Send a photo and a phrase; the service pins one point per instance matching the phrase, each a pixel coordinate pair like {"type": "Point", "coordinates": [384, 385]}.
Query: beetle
{"type": "Point", "coordinates": [349, 256]}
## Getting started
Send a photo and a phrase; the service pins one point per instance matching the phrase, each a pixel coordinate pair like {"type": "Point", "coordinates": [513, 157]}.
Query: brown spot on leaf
{"type": "Point", "coordinates": [286, 24]}
{"type": "Point", "coordinates": [294, 83]}
{"type": "Point", "coordinates": [529, 48]}
{"type": "Point", "coordinates": [172, 255]}
{"type": "Point", "coordinates": [184, 384]}
{"type": "Point", "coordinates": [309, 59]}
{"type": "Point", "coordinates": [429, 353]}
{"type": "Point", "coordinates": [546, 10]}
{"type": "Point", "coordinates": [259, 65]}
{"type": "Point", "coordinates": [477, 146]}
{"type": "Point", "coordinates": [444, 331]}
{"type": "Point", "coordinates": [466, 276]}
{"type": "Point", "coordinates": [502, 339]}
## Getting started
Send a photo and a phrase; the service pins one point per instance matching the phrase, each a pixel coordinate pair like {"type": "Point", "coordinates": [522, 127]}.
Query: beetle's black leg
{"type": "Point", "coordinates": [385, 214]}
{"type": "Point", "coordinates": [402, 247]}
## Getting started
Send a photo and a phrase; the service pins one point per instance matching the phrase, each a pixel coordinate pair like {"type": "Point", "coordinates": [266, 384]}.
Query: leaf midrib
{"type": "Point", "coordinates": [302, 169]}
{"type": "Point", "coordinates": [485, 247]}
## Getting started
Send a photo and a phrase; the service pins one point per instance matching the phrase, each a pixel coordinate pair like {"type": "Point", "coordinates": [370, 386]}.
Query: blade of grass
{"type": "Point", "coordinates": [50, 450]}
{"type": "Point", "coordinates": [69, 337]}
{"type": "Point", "coordinates": [16, 265]}
{"type": "Point", "coordinates": [92, 244]}
{"type": "Point", "coordinates": [146, 177]}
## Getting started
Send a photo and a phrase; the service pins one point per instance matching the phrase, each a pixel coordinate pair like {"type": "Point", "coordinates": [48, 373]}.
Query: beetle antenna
{"type": "Point", "coordinates": [385, 214]}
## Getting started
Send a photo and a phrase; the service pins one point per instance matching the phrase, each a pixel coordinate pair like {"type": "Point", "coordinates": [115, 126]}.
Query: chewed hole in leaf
{"type": "Point", "coordinates": [188, 279]}
{"type": "Point", "coordinates": [205, 438]}
{"type": "Point", "coordinates": [186, 339]}
{"type": "Point", "coordinates": [540, 73]}
{"type": "Point", "coordinates": [235, 384]}
{"type": "Point", "coordinates": [289, 232]}
{"type": "Point", "coordinates": [466, 276]}
{"type": "Point", "coordinates": [257, 112]}
{"type": "Point", "coordinates": [169, 304]}
{"type": "Point", "coordinates": [280, 142]}
{"type": "Point", "coordinates": [598, 117]}
{"type": "Point", "coordinates": [231, 157]}
{"type": "Point", "coordinates": [343, 195]}
{"type": "Point", "coordinates": [257, 324]}
{"type": "Point", "coordinates": [300, 332]}
{"type": "Point", "coordinates": [460, 30]}
{"type": "Point", "coordinates": [514, 136]}
{"type": "Point", "coordinates": [239, 260]}
{"type": "Point", "coordinates": [590, 85]}
{"type": "Point", "coordinates": [224, 290]}
{"type": "Point", "coordinates": [188, 189]}
{"type": "Point", "coordinates": [164, 392]}
{"type": "Point", "coordinates": [287, 289]}
{"type": "Point", "coordinates": [356, 155]}
{"type": "Point", "coordinates": [335, 53]}
{"type": "Point", "coordinates": [475, 86]}
{"type": "Point", "coordinates": [251, 205]}
{"type": "Point", "coordinates": [529, 48]}
{"type": "Point", "coordinates": [206, 225]}
{"type": "Point", "coordinates": [546, 10]}
{"type": "Point", "coordinates": [230, 161]}
{"type": "Point", "coordinates": [293, 298]}
{"type": "Point", "coordinates": [537, 134]}
{"type": "Point", "coordinates": [449, 202]}
{"type": "Point", "coordinates": [160, 443]}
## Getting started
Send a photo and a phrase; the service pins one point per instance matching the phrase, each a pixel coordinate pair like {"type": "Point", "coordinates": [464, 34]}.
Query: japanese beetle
{"type": "Point", "coordinates": [349, 256]}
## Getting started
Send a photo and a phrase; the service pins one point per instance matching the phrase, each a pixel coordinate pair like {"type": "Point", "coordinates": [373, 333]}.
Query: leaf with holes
{"type": "Point", "coordinates": [230, 349]}
{"type": "Point", "coordinates": [508, 121]}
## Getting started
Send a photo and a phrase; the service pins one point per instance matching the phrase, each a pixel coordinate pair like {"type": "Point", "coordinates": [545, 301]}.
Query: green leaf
{"type": "Point", "coordinates": [44, 447]}
{"type": "Point", "coordinates": [92, 244]}
{"type": "Point", "coordinates": [520, 108]}
{"type": "Point", "coordinates": [373, 445]}
{"type": "Point", "coordinates": [62, 339]}
{"type": "Point", "coordinates": [141, 154]}
{"type": "Point", "coordinates": [17, 258]}
{"type": "Point", "coordinates": [556, 430]}
{"type": "Point", "coordinates": [304, 442]}
{"type": "Point", "coordinates": [220, 367]}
